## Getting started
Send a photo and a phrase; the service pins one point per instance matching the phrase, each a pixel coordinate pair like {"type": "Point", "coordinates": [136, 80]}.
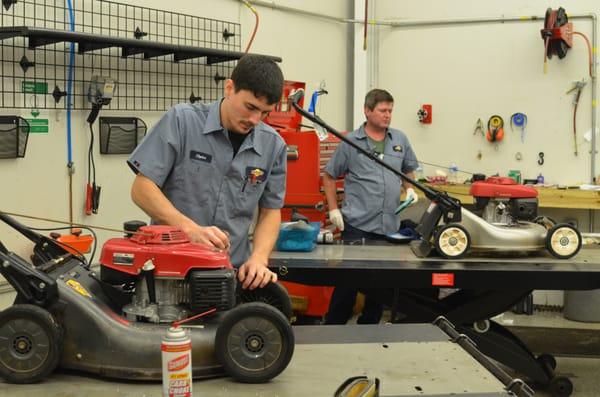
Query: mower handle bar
{"type": "Point", "coordinates": [24, 230]}
{"type": "Point", "coordinates": [430, 193]}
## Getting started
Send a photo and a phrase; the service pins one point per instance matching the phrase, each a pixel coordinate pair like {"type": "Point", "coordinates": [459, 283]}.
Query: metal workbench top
{"type": "Point", "coordinates": [392, 265]}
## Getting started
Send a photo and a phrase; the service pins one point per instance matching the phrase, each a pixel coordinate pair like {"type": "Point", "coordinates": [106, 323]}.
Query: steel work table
{"type": "Point", "coordinates": [395, 266]}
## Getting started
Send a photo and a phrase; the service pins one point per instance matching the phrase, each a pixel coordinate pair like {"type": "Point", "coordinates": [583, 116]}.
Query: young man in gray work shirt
{"type": "Point", "coordinates": [206, 167]}
{"type": "Point", "coordinates": [371, 192]}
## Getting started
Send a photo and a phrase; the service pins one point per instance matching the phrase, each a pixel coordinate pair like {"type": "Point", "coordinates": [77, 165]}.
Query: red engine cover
{"type": "Point", "coordinates": [169, 248]}
{"type": "Point", "coordinates": [502, 187]}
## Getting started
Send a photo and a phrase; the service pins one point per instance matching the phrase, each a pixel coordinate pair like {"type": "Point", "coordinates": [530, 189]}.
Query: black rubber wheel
{"type": "Point", "coordinates": [453, 241]}
{"type": "Point", "coordinates": [273, 294]}
{"type": "Point", "coordinates": [563, 241]}
{"type": "Point", "coordinates": [30, 343]}
{"type": "Point", "coordinates": [254, 342]}
{"type": "Point", "coordinates": [560, 387]}
{"type": "Point", "coordinates": [548, 360]}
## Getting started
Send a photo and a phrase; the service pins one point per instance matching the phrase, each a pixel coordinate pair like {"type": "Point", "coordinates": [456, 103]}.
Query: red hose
{"type": "Point", "coordinates": [587, 42]}
{"type": "Point", "coordinates": [255, 25]}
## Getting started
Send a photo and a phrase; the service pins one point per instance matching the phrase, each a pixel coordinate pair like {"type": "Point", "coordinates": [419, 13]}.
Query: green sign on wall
{"type": "Point", "coordinates": [38, 126]}
{"type": "Point", "coordinates": [34, 87]}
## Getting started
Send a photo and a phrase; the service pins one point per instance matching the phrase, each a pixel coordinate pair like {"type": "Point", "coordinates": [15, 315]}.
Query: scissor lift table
{"type": "Point", "coordinates": [486, 287]}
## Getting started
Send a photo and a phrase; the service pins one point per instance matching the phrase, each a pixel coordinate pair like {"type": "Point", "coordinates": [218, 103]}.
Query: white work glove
{"type": "Point", "coordinates": [335, 216]}
{"type": "Point", "coordinates": [410, 192]}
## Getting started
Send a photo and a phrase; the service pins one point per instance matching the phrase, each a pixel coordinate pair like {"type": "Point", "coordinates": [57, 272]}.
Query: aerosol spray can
{"type": "Point", "coordinates": [177, 363]}
{"type": "Point", "coordinates": [325, 237]}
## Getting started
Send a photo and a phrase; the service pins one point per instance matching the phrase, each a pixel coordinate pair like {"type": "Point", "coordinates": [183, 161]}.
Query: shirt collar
{"type": "Point", "coordinates": [362, 134]}
{"type": "Point", "coordinates": [254, 140]}
{"type": "Point", "coordinates": [213, 119]}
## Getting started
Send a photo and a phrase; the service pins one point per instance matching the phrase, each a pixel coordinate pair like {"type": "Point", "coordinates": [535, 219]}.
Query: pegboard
{"type": "Point", "coordinates": [156, 83]}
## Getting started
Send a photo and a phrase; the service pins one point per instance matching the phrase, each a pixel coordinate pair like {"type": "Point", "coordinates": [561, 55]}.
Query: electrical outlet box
{"type": "Point", "coordinates": [425, 114]}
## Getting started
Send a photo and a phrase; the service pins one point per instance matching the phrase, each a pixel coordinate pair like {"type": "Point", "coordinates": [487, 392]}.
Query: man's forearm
{"type": "Point", "coordinates": [265, 233]}
{"type": "Point", "coordinates": [330, 191]}
{"type": "Point", "coordinates": [412, 175]}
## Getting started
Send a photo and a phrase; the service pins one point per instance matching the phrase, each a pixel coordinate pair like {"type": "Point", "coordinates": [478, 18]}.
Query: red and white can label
{"type": "Point", "coordinates": [177, 368]}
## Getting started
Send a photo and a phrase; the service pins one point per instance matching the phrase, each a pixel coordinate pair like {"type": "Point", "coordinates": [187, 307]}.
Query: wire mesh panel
{"type": "Point", "coordinates": [145, 81]}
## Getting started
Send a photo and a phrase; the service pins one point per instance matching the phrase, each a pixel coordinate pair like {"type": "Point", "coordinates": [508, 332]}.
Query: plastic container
{"type": "Point", "coordinates": [76, 243]}
{"type": "Point", "coordinates": [294, 239]}
{"type": "Point", "coordinates": [583, 306]}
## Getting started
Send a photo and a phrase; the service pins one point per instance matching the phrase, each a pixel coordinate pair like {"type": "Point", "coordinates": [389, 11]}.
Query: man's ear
{"type": "Point", "coordinates": [228, 88]}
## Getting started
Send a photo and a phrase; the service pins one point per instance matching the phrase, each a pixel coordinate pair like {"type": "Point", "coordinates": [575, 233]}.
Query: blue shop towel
{"type": "Point", "coordinates": [298, 236]}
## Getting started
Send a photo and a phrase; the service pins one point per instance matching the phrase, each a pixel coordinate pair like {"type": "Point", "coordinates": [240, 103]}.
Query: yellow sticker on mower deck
{"type": "Point", "coordinates": [77, 287]}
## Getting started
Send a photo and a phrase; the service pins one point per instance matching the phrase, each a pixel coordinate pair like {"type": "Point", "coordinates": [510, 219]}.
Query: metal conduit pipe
{"type": "Point", "coordinates": [279, 7]}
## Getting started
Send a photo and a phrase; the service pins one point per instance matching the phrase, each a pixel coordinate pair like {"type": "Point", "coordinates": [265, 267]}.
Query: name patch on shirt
{"type": "Point", "coordinates": [397, 148]}
{"type": "Point", "coordinates": [255, 175]}
{"type": "Point", "coordinates": [199, 156]}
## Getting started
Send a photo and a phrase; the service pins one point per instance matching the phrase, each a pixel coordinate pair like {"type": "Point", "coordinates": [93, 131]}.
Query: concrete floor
{"type": "Point", "coordinates": [409, 360]}
{"type": "Point", "coordinates": [583, 372]}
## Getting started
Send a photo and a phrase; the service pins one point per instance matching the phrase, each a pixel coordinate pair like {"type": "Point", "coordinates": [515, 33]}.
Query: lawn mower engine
{"type": "Point", "coordinates": [503, 201]}
{"type": "Point", "coordinates": [166, 277]}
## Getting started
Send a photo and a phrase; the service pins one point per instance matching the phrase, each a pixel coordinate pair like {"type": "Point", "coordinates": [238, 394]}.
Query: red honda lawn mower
{"type": "Point", "coordinates": [507, 221]}
{"type": "Point", "coordinates": [110, 320]}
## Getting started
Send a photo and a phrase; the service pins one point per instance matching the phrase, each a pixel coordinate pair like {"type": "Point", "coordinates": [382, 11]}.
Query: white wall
{"type": "Point", "coordinates": [474, 71]}
{"type": "Point", "coordinates": [312, 50]}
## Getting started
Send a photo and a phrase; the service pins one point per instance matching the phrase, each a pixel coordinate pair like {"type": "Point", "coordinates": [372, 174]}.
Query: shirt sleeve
{"type": "Point", "coordinates": [338, 163]}
{"type": "Point", "coordinates": [410, 162]}
{"type": "Point", "coordinates": [158, 151]}
{"type": "Point", "coordinates": [274, 193]}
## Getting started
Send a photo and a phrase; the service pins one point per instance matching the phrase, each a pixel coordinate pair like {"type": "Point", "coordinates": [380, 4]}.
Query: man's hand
{"type": "Point", "coordinates": [255, 274]}
{"type": "Point", "coordinates": [410, 192]}
{"type": "Point", "coordinates": [335, 216]}
{"type": "Point", "coordinates": [209, 235]}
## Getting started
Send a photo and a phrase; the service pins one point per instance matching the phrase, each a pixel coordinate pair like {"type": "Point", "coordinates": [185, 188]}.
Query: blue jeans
{"type": "Point", "coordinates": [343, 299]}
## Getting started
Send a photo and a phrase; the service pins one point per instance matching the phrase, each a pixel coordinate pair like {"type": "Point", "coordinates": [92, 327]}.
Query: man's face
{"type": "Point", "coordinates": [242, 110]}
{"type": "Point", "coordinates": [381, 115]}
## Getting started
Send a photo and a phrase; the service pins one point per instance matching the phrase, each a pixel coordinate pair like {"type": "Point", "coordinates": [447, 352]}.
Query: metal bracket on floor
{"type": "Point", "coordinates": [519, 388]}
{"type": "Point", "coordinates": [515, 386]}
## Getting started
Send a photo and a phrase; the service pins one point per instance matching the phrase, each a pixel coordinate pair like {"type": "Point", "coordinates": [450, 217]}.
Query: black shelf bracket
{"type": "Point", "coordinates": [86, 42]}
{"type": "Point", "coordinates": [8, 3]}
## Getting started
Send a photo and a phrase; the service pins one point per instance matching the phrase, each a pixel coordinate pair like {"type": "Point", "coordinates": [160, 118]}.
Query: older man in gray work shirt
{"type": "Point", "coordinates": [206, 167]}
{"type": "Point", "coordinates": [371, 192]}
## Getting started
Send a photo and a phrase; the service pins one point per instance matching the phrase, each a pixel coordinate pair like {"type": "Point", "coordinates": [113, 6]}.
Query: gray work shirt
{"type": "Point", "coordinates": [372, 192]}
{"type": "Point", "coordinates": [189, 157]}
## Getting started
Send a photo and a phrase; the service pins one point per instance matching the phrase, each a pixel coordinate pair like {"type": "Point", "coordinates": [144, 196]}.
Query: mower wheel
{"type": "Point", "coordinates": [254, 342]}
{"type": "Point", "coordinates": [453, 241]}
{"type": "Point", "coordinates": [563, 241]}
{"type": "Point", "coordinates": [273, 294]}
{"type": "Point", "coordinates": [30, 343]}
